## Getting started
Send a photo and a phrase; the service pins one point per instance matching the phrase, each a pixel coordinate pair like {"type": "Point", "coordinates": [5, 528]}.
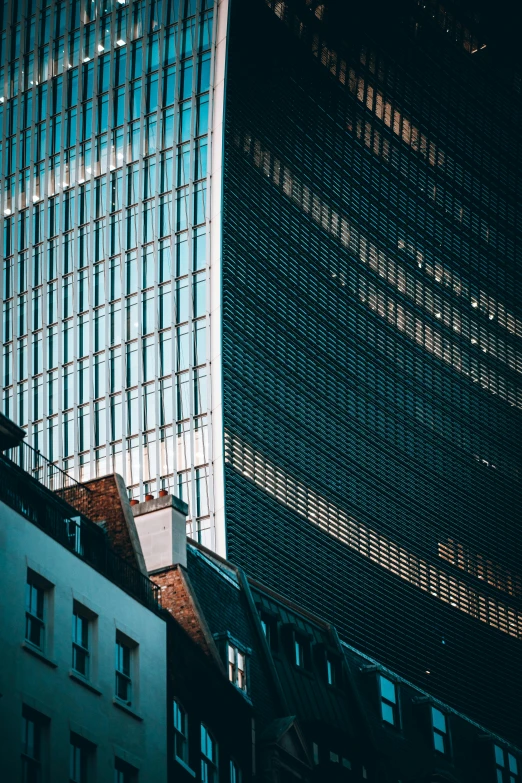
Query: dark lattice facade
{"type": "Point", "coordinates": [372, 336]}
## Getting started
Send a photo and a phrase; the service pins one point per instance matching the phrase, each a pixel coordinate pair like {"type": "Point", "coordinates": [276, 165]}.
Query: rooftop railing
{"type": "Point", "coordinates": [52, 500]}
{"type": "Point", "coordinates": [51, 476]}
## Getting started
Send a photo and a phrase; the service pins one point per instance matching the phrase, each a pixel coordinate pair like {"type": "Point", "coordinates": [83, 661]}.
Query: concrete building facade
{"type": "Point", "coordinates": [83, 673]}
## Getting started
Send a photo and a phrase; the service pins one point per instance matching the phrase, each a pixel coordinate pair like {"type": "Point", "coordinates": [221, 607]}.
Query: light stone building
{"type": "Point", "coordinates": [83, 675]}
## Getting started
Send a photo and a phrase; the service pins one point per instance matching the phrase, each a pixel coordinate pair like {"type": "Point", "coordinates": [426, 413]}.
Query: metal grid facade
{"type": "Point", "coordinates": [104, 115]}
{"type": "Point", "coordinates": [372, 339]}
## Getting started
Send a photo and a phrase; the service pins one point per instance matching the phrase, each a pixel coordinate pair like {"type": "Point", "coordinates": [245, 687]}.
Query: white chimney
{"type": "Point", "coordinates": [162, 527]}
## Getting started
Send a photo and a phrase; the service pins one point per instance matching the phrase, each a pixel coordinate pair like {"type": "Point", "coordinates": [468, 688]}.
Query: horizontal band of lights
{"type": "Point", "coordinates": [384, 110]}
{"type": "Point", "coordinates": [336, 522]}
{"type": "Point", "coordinates": [482, 567]}
{"type": "Point", "coordinates": [480, 301]}
{"type": "Point", "coordinates": [373, 99]}
{"type": "Point", "coordinates": [400, 278]}
{"type": "Point", "coordinates": [379, 145]}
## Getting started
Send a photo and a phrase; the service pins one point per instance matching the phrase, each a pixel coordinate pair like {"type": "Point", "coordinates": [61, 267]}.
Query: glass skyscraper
{"type": "Point", "coordinates": [266, 254]}
{"type": "Point", "coordinates": [104, 119]}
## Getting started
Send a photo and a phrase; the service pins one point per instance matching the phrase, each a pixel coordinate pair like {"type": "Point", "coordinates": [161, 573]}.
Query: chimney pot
{"type": "Point", "coordinates": [162, 493]}
{"type": "Point", "coordinates": [134, 502]}
{"type": "Point", "coordinates": [149, 497]}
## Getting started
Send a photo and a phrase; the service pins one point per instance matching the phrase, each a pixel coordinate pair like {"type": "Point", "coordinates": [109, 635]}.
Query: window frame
{"type": "Point", "coordinates": [330, 671]}
{"type": "Point", "coordinates": [181, 733]}
{"type": "Point", "coordinates": [504, 762]}
{"type": "Point", "coordinates": [121, 676]}
{"type": "Point", "coordinates": [237, 676]}
{"type": "Point", "coordinates": [236, 773]}
{"type": "Point", "coordinates": [35, 760]}
{"type": "Point", "coordinates": [124, 772]}
{"type": "Point", "coordinates": [270, 628]}
{"type": "Point", "coordinates": [439, 733]}
{"type": "Point", "coordinates": [299, 652]}
{"type": "Point", "coordinates": [209, 764]}
{"type": "Point", "coordinates": [78, 646]}
{"type": "Point", "coordinates": [85, 749]}
{"type": "Point", "coordinates": [35, 586]}
{"type": "Point", "coordinates": [392, 705]}
{"type": "Point", "coordinates": [332, 668]}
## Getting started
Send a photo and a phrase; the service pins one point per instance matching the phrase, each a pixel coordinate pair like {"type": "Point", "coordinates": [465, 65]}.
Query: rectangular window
{"type": "Point", "coordinates": [209, 770]}
{"type": "Point", "coordinates": [237, 667]}
{"type": "Point", "coordinates": [269, 626]}
{"type": "Point", "coordinates": [79, 750]}
{"type": "Point", "coordinates": [299, 653]}
{"type": "Point", "coordinates": [235, 773]}
{"type": "Point", "coordinates": [80, 642]}
{"type": "Point", "coordinates": [440, 731]}
{"type": "Point", "coordinates": [506, 765]}
{"type": "Point", "coordinates": [123, 672]}
{"type": "Point", "coordinates": [124, 773]}
{"type": "Point", "coordinates": [389, 703]}
{"type": "Point", "coordinates": [33, 736]}
{"type": "Point", "coordinates": [330, 670]}
{"type": "Point", "coordinates": [180, 732]}
{"type": "Point", "coordinates": [34, 612]}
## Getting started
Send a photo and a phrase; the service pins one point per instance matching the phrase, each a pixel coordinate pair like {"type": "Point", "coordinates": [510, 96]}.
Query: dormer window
{"type": "Point", "coordinates": [299, 652]}
{"type": "Point", "coordinates": [506, 765]}
{"type": "Point", "coordinates": [297, 645]}
{"type": "Point", "coordinates": [440, 731]}
{"type": "Point", "coordinates": [237, 667]}
{"type": "Point", "coordinates": [332, 668]}
{"type": "Point", "coordinates": [269, 626]}
{"type": "Point", "coordinates": [330, 671]}
{"type": "Point", "coordinates": [389, 701]}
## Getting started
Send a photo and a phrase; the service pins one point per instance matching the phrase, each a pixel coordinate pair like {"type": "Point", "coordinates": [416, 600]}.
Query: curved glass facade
{"type": "Point", "coordinates": [372, 351]}
{"type": "Point", "coordinates": [104, 117]}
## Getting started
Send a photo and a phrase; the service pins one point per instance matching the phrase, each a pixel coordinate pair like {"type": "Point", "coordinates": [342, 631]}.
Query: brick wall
{"type": "Point", "coordinates": [178, 599]}
{"type": "Point", "coordinates": [109, 503]}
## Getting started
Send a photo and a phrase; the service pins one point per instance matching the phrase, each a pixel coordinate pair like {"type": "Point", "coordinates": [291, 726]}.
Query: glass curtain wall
{"type": "Point", "coordinates": [104, 113]}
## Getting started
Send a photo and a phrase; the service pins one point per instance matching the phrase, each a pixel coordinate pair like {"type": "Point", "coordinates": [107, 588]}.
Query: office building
{"type": "Point", "coordinates": [104, 289]}
{"type": "Point", "coordinates": [264, 255]}
{"type": "Point", "coordinates": [371, 333]}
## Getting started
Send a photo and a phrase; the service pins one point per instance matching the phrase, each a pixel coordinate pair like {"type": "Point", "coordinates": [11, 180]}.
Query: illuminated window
{"type": "Point", "coordinates": [237, 667]}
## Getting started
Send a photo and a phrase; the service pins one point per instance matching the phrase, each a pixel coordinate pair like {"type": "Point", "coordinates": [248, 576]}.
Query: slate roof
{"type": "Point", "coordinates": [307, 691]}
{"type": "Point", "coordinates": [343, 718]}
{"type": "Point", "coordinates": [226, 608]}
{"type": "Point", "coordinates": [281, 692]}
